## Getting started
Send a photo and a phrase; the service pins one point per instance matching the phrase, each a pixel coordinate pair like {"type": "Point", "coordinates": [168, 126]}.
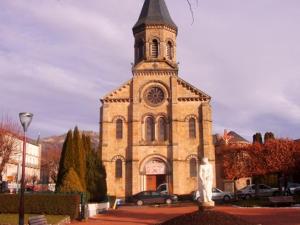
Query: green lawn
{"type": "Point", "coordinates": [13, 219]}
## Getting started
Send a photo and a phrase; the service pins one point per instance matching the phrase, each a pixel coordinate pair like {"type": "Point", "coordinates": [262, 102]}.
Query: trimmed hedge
{"type": "Point", "coordinates": [52, 204]}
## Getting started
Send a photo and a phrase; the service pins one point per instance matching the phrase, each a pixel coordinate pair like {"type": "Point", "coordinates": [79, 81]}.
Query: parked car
{"type": "Point", "coordinates": [263, 191]}
{"type": "Point", "coordinates": [217, 195]}
{"type": "Point", "coordinates": [153, 197]}
{"type": "Point", "coordinates": [291, 187]}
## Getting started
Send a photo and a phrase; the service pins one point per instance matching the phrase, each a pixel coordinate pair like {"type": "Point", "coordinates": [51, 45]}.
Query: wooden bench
{"type": "Point", "coordinates": [37, 220]}
{"type": "Point", "coordinates": [279, 200]}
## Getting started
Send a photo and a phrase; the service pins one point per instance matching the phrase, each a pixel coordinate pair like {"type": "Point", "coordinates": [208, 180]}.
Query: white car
{"type": "Point", "coordinates": [217, 194]}
{"type": "Point", "coordinates": [263, 191]}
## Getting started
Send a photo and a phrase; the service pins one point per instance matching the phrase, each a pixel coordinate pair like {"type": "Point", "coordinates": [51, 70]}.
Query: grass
{"type": "Point", "coordinates": [12, 219]}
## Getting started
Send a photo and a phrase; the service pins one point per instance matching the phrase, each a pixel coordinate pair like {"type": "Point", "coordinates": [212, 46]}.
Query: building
{"type": "Point", "coordinates": [13, 169]}
{"type": "Point", "coordinates": [156, 127]}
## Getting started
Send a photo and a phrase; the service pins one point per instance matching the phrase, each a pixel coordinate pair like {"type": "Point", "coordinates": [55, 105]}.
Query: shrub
{"type": "Point", "coordinates": [54, 204]}
{"type": "Point", "coordinates": [71, 182]}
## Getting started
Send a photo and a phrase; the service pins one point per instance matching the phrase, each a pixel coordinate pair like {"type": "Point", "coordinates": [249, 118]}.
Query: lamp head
{"type": "Point", "coordinates": [25, 119]}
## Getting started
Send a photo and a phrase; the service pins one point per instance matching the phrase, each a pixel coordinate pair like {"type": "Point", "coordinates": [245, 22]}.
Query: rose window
{"type": "Point", "coordinates": [154, 96]}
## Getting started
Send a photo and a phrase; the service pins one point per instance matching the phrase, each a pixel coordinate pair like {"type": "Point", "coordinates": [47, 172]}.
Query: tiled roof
{"type": "Point", "coordinates": [236, 137]}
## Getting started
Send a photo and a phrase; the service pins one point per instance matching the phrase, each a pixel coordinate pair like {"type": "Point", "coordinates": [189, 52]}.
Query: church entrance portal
{"type": "Point", "coordinates": [153, 181]}
{"type": "Point", "coordinates": [156, 174]}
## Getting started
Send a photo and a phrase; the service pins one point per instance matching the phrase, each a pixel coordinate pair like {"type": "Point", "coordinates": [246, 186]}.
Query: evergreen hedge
{"type": "Point", "coordinates": [52, 204]}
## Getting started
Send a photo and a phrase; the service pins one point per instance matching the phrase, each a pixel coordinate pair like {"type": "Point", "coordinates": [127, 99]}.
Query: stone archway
{"type": "Point", "coordinates": [154, 171]}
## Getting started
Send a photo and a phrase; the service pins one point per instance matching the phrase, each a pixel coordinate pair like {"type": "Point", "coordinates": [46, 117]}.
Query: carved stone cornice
{"type": "Point", "coordinates": [155, 72]}
{"type": "Point", "coordinates": [193, 99]}
{"type": "Point", "coordinates": [115, 100]}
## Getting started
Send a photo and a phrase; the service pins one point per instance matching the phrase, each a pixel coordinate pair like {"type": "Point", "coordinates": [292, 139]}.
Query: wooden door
{"type": "Point", "coordinates": [151, 183]}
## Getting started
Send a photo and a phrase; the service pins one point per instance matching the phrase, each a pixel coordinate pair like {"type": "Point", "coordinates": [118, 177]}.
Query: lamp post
{"type": "Point", "coordinates": [25, 119]}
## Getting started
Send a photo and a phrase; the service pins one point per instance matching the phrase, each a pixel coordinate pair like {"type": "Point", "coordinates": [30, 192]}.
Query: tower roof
{"type": "Point", "coordinates": [155, 12]}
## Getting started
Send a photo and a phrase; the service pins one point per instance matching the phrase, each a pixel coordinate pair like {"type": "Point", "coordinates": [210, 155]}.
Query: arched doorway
{"type": "Point", "coordinates": [154, 173]}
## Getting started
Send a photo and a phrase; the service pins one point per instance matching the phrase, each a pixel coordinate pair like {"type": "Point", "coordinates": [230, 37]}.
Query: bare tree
{"type": "Point", "coordinates": [191, 8]}
{"type": "Point", "coordinates": [9, 138]}
{"type": "Point", "coordinates": [50, 163]}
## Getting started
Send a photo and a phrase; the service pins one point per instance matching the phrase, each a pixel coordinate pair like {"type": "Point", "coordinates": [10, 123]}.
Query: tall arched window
{"type": "Point", "coordinates": [118, 168]}
{"type": "Point", "coordinates": [162, 129]}
{"type": "Point", "coordinates": [193, 167]}
{"type": "Point", "coordinates": [119, 129]}
{"type": "Point", "coordinates": [192, 128]}
{"type": "Point", "coordinates": [154, 48]}
{"type": "Point", "coordinates": [150, 129]}
{"type": "Point", "coordinates": [169, 50]}
{"type": "Point", "coordinates": [139, 50]}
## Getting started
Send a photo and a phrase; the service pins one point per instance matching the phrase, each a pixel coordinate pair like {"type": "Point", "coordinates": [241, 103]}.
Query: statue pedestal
{"type": "Point", "coordinates": [206, 205]}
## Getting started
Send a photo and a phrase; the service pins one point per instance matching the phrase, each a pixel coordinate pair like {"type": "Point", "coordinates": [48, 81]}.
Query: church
{"type": "Point", "coordinates": [156, 127]}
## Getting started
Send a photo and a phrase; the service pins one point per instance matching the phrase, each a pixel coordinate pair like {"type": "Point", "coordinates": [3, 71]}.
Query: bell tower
{"type": "Point", "coordinates": [155, 40]}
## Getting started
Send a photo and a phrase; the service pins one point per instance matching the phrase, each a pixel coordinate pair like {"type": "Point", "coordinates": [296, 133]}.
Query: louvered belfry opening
{"type": "Point", "coordinates": [155, 49]}
{"type": "Point", "coordinates": [169, 50]}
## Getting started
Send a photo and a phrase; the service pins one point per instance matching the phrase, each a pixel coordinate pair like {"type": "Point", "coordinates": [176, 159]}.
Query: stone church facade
{"type": "Point", "coordinates": [156, 127]}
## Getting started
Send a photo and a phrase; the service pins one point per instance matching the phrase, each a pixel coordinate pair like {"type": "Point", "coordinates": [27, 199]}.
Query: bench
{"type": "Point", "coordinates": [37, 220]}
{"type": "Point", "coordinates": [277, 200]}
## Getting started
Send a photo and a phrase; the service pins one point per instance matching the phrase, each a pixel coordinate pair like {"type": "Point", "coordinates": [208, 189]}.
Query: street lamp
{"type": "Point", "coordinates": [25, 119]}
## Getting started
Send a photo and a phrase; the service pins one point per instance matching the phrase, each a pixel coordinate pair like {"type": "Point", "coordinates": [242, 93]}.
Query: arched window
{"type": "Point", "coordinates": [150, 129]}
{"type": "Point", "coordinates": [192, 128]}
{"type": "Point", "coordinates": [169, 50]}
{"type": "Point", "coordinates": [193, 167]}
{"type": "Point", "coordinates": [139, 50]}
{"type": "Point", "coordinates": [119, 129]}
{"type": "Point", "coordinates": [162, 129]}
{"type": "Point", "coordinates": [118, 168]}
{"type": "Point", "coordinates": [154, 48]}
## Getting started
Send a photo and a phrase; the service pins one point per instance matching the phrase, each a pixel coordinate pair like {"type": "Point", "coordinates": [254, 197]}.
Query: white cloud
{"type": "Point", "coordinates": [244, 56]}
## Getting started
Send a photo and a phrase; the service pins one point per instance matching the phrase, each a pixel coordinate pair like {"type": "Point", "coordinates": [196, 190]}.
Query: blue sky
{"type": "Point", "coordinates": [59, 57]}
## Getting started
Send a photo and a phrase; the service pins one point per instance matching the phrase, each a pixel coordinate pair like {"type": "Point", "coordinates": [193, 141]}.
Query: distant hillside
{"type": "Point", "coordinates": [56, 142]}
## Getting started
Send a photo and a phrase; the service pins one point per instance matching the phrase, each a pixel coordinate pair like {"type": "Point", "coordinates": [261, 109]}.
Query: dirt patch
{"type": "Point", "coordinates": [208, 217]}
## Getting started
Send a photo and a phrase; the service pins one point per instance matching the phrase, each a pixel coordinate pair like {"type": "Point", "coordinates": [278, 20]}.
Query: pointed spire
{"type": "Point", "coordinates": [155, 12]}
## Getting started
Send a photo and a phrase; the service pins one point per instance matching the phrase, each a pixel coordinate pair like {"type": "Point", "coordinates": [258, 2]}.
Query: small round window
{"type": "Point", "coordinates": [154, 96]}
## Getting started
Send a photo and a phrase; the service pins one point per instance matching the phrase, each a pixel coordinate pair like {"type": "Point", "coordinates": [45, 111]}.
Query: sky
{"type": "Point", "coordinates": [59, 57]}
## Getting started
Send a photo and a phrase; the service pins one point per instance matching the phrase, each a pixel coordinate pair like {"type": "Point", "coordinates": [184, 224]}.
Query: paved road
{"type": "Point", "coordinates": [127, 215]}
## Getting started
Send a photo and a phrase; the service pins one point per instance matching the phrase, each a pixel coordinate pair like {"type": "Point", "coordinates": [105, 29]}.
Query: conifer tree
{"type": "Point", "coordinates": [71, 182]}
{"type": "Point", "coordinates": [80, 157]}
{"type": "Point", "coordinates": [269, 136]}
{"type": "Point", "coordinates": [66, 159]}
{"type": "Point", "coordinates": [96, 175]}
{"type": "Point", "coordinates": [257, 138]}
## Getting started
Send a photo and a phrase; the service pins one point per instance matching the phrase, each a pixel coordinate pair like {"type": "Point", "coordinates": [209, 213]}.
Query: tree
{"type": "Point", "coordinates": [257, 138]}
{"type": "Point", "coordinates": [71, 182]}
{"type": "Point", "coordinates": [96, 175]}
{"type": "Point", "coordinates": [274, 156]}
{"type": "Point", "coordinates": [79, 156]}
{"type": "Point", "coordinates": [269, 136]}
{"type": "Point", "coordinates": [9, 139]}
{"type": "Point", "coordinates": [66, 159]}
{"type": "Point", "coordinates": [50, 163]}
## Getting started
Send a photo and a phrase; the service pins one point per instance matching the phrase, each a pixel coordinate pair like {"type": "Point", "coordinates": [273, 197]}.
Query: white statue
{"type": "Point", "coordinates": [205, 181]}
